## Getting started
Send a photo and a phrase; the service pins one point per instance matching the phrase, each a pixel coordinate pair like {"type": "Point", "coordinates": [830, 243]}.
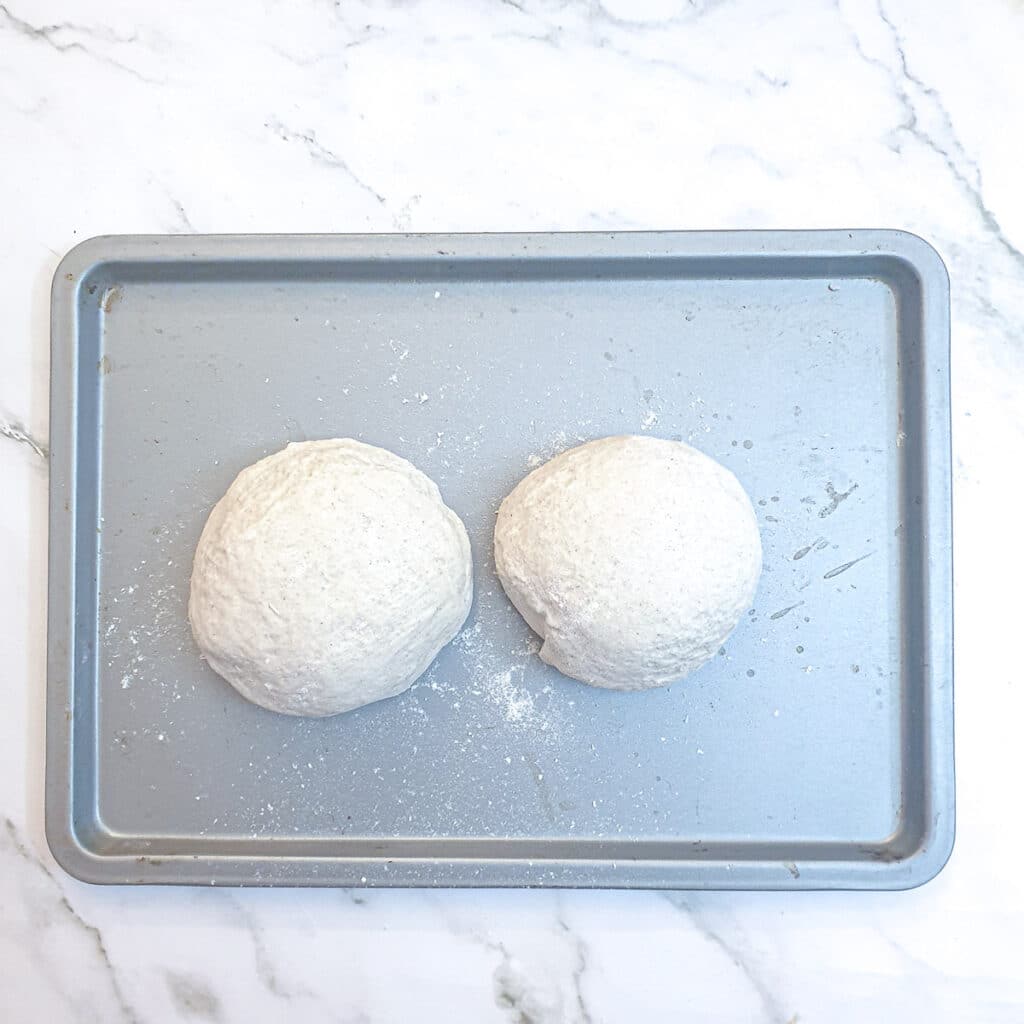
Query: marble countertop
{"type": "Point", "coordinates": [526, 115]}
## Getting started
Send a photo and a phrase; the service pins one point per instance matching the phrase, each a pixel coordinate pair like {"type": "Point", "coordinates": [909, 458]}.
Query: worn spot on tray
{"type": "Point", "coordinates": [836, 498]}
{"type": "Point", "coordinates": [543, 790]}
{"type": "Point", "coordinates": [784, 611]}
{"type": "Point", "coordinates": [791, 868]}
{"type": "Point", "coordinates": [111, 296]}
{"type": "Point", "coordinates": [839, 569]}
{"type": "Point", "coordinates": [105, 365]}
{"type": "Point", "coordinates": [815, 545]}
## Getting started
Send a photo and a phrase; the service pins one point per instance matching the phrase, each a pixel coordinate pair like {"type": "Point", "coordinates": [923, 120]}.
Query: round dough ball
{"type": "Point", "coordinates": [632, 557]}
{"type": "Point", "coordinates": [328, 576]}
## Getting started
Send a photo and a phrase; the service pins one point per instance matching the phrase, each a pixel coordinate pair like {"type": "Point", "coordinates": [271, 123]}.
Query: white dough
{"type": "Point", "coordinates": [328, 576]}
{"type": "Point", "coordinates": [632, 557]}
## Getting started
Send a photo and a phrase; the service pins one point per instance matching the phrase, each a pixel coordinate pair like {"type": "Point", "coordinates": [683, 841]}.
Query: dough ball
{"type": "Point", "coordinates": [327, 577]}
{"type": "Point", "coordinates": [632, 557]}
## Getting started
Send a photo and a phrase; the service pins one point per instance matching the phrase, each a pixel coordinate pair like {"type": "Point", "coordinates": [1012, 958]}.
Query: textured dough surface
{"type": "Point", "coordinates": [328, 576]}
{"type": "Point", "coordinates": [632, 557]}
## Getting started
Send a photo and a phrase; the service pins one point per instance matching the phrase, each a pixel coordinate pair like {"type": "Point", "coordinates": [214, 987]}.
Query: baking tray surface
{"type": "Point", "coordinates": [814, 752]}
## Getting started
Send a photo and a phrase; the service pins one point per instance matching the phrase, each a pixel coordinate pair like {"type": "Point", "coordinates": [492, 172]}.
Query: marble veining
{"type": "Point", "coordinates": [15, 432]}
{"type": "Point", "coordinates": [366, 115]}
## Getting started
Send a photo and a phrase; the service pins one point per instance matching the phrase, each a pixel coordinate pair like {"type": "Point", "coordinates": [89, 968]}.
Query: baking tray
{"type": "Point", "coordinates": [814, 752]}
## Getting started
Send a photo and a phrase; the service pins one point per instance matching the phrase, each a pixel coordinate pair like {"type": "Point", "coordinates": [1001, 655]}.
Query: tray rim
{"type": "Point", "coordinates": [887, 870]}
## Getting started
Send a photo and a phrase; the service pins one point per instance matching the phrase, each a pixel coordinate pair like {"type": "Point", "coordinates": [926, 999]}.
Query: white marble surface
{"type": "Point", "coordinates": [526, 114]}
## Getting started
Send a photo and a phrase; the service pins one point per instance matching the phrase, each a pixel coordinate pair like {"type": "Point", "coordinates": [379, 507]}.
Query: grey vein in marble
{"type": "Point", "coordinates": [953, 154]}
{"type": "Point", "coordinates": [529, 1000]}
{"type": "Point", "coordinates": [578, 970]}
{"type": "Point", "coordinates": [597, 11]}
{"type": "Point", "coordinates": [514, 991]}
{"type": "Point", "coordinates": [192, 997]}
{"type": "Point", "coordinates": [322, 155]}
{"type": "Point", "coordinates": [598, 19]}
{"type": "Point", "coordinates": [773, 1013]}
{"type": "Point", "coordinates": [50, 35]}
{"type": "Point", "coordinates": [16, 432]}
{"type": "Point", "coordinates": [354, 896]}
{"type": "Point", "coordinates": [95, 937]}
{"type": "Point", "coordinates": [973, 189]}
{"type": "Point", "coordinates": [182, 214]}
{"type": "Point", "coordinates": [262, 959]}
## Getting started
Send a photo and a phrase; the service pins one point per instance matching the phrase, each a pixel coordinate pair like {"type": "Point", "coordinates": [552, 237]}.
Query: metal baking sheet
{"type": "Point", "coordinates": [814, 752]}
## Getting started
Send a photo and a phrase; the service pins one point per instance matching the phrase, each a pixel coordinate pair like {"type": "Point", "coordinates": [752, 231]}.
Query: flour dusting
{"type": "Point", "coordinates": [515, 702]}
{"type": "Point", "coordinates": [496, 667]}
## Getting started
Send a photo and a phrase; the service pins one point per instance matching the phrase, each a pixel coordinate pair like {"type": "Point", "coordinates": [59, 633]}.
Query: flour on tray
{"type": "Point", "coordinates": [495, 667]}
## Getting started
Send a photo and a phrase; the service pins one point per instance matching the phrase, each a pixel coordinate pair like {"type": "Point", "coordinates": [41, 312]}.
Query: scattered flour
{"type": "Point", "coordinates": [516, 703]}
{"type": "Point", "coordinates": [145, 622]}
{"type": "Point", "coordinates": [557, 443]}
{"type": "Point", "coordinates": [496, 669]}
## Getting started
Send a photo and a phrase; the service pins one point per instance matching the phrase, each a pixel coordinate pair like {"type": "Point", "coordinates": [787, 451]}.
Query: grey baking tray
{"type": "Point", "coordinates": [814, 752]}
